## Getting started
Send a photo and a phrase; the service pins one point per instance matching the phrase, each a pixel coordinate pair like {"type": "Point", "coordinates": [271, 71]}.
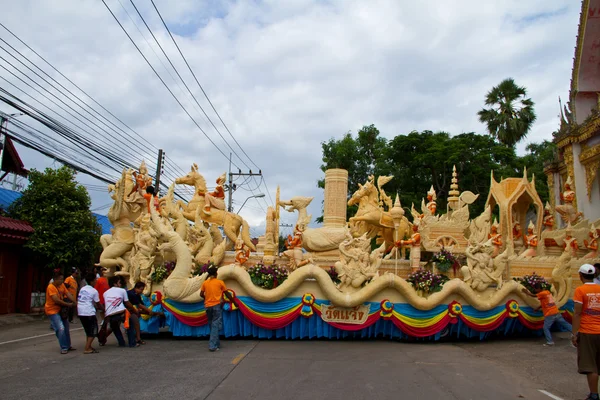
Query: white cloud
{"type": "Point", "coordinates": [286, 76]}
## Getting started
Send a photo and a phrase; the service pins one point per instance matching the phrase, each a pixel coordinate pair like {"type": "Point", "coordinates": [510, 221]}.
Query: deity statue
{"type": "Point", "coordinates": [481, 269]}
{"type": "Point", "coordinates": [415, 249]}
{"type": "Point", "coordinates": [496, 238]}
{"type": "Point", "coordinates": [592, 244]}
{"type": "Point", "coordinates": [294, 249]}
{"type": "Point", "coordinates": [242, 252]}
{"type": "Point", "coordinates": [121, 214]}
{"type": "Point", "coordinates": [531, 241]}
{"type": "Point", "coordinates": [143, 259]}
{"type": "Point", "coordinates": [517, 235]}
{"type": "Point", "coordinates": [431, 198]}
{"type": "Point", "coordinates": [567, 210]}
{"type": "Point", "coordinates": [217, 197]}
{"type": "Point", "coordinates": [569, 242]}
{"type": "Point", "coordinates": [270, 232]}
{"type": "Point", "coordinates": [356, 265]}
{"type": "Point", "coordinates": [548, 218]}
{"type": "Point", "coordinates": [142, 180]}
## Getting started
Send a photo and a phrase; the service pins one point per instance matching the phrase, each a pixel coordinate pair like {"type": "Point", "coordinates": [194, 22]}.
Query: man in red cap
{"type": "Point", "coordinates": [586, 328]}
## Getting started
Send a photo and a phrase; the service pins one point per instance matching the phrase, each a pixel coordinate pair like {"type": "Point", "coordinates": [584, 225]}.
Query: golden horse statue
{"type": "Point", "coordinates": [372, 219]}
{"type": "Point", "coordinates": [230, 222]}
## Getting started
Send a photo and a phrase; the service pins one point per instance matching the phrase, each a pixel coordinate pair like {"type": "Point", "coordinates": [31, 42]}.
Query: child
{"type": "Point", "coordinates": [212, 291]}
{"type": "Point", "coordinates": [550, 310]}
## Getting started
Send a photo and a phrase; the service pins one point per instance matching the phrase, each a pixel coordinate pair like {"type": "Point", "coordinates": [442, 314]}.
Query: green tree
{"type": "Point", "coordinates": [537, 155]}
{"type": "Point", "coordinates": [510, 115]}
{"type": "Point", "coordinates": [66, 233]}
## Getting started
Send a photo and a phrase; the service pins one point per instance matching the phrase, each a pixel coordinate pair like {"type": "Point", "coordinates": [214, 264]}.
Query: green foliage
{"type": "Point", "coordinates": [510, 115]}
{"type": "Point", "coordinates": [66, 233]}
{"type": "Point", "coordinates": [419, 159]}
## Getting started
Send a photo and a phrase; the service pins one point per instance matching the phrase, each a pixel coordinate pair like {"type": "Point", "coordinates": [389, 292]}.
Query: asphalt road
{"type": "Point", "coordinates": [167, 368]}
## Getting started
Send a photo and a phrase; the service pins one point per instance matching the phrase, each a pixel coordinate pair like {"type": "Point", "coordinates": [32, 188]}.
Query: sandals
{"type": "Point", "coordinates": [141, 342]}
{"type": "Point", "coordinates": [93, 351]}
{"type": "Point", "coordinates": [64, 352]}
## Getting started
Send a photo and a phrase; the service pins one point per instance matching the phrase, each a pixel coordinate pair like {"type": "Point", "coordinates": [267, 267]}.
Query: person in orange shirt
{"type": "Point", "coordinates": [212, 291]}
{"type": "Point", "coordinates": [56, 294]}
{"type": "Point", "coordinates": [551, 313]}
{"type": "Point", "coordinates": [586, 328]}
{"type": "Point", "coordinates": [101, 286]}
{"type": "Point", "coordinates": [72, 286]}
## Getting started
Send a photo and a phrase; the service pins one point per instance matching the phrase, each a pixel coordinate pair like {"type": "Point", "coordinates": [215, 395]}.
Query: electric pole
{"type": "Point", "coordinates": [232, 186]}
{"type": "Point", "coordinates": [159, 165]}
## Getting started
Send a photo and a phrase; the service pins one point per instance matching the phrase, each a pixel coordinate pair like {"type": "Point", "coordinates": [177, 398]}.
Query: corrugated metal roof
{"type": "Point", "coordinates": [15, 225]}
{"type": "Point", "coordinates": [7, 197]}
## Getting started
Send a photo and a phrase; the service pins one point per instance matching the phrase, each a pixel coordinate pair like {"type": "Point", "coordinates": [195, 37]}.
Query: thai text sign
{"type": "Point", "coordinates": [355, 315]}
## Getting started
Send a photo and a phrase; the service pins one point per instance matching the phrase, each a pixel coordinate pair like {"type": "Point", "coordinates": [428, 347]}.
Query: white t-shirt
{"type": "Point", "coordinates": [114, 299]}
{"type": "Point", "coordinates": [85, 301]}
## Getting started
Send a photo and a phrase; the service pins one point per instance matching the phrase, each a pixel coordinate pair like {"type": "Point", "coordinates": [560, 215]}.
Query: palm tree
{"type": "Point", "coordinates": [510, 115]}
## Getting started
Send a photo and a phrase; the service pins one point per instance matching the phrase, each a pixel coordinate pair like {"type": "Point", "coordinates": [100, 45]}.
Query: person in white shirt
{"type": "Point", "coordinates": [88, 302]}
{"type": "Point", "coordinates": [115, 303]}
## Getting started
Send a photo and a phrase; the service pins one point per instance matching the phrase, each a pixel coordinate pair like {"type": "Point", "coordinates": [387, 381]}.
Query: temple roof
{"type": "Point", "coordinates": [11, 161]}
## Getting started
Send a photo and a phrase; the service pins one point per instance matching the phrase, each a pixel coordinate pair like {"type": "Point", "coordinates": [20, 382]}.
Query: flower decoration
{"type": "Point", "coordinates": [513, 308]}
{"type": "Point", "coordinates": [387, 309]}
{"type": "Point", "coordinates": [200, 269]}
{"type": "Point", "coordinates": [445, 260]}
{"type": "Point", "coordinates": [162, 272]}
{"type": "Point", "coordinates": [534, 282]}
{"type": "Point", "coordinates": [228, 304]}
{"type": "Point", "coordinates": [455, 309]}
{"type": "Point", "coordinates": [333, 274]}
{"type": "Point", "coordinates": [427, 281]}
{"type": "Point", "coordinates": [268, 277]}
{"type": "Point", "coordinates": [307, 302]}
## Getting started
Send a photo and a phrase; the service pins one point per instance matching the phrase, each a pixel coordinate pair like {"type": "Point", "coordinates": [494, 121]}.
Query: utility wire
{"type": "Point", "coordinates": [205, 95]}
{"type": "Point", "coordinates": [164, 84]}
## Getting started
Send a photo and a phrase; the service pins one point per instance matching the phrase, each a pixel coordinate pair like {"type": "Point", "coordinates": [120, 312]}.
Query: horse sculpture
{"type": "Point", "coordinates": [371, 219]}
{"type": "Point", "coordinates": [230, 222]}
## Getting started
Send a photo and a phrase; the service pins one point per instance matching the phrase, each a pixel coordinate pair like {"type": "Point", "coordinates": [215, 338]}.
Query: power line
{"type": "Point", "coordinates": [155, 149]}
{"type": "Point", "coordinates": [163, 82]}
{"type": "Point", "coordinates": [205, 95]}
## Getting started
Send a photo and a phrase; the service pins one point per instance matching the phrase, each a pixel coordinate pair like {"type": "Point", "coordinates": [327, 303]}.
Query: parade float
{"type": "Point", "coordinates": [359, 277]}
{"type": "Point", "coordinates": [378, 273]}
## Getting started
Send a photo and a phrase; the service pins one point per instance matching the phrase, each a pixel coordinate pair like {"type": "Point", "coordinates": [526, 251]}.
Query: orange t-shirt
{"type": "Point", "coordinates": [72, 285]}
{"type": "Point", "coordinates": [547, 301]}
{"type": "Point", "coordinates": [51, 307]}
{"type": "Point", "coordinates": [213, 290]}
{"type": "Point", "coordinates": [588, 295]}
{"type": "Point", "coordinates": [101, 286]}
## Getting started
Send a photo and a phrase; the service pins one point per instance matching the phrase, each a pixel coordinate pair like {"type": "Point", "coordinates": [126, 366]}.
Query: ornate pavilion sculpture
{"type": "Point", "coordinates": [513, 197]}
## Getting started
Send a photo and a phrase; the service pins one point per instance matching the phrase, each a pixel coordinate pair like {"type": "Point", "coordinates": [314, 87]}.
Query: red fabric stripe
{"type": "Point", "coordinates": [568, 317]}
{"type": "Point", "coordinates": [422, 332]}
{"type": "Point", "coordinates": [190, 321]}
{"type": "Point", "coordinates": [267, 323]}
{"type": "Point", "coordinates": [487, 327]}
{"type": "Point", "coordinates": [529, 324]}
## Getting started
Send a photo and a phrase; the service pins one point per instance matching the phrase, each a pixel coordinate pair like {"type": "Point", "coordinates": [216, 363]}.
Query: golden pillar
{"type": "Point", "coordinates": [336, 197]}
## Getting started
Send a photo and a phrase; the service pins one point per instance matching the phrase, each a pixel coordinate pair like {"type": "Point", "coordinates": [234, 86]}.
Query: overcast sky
{"type": "Point", "coordinates": [288, 75]}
